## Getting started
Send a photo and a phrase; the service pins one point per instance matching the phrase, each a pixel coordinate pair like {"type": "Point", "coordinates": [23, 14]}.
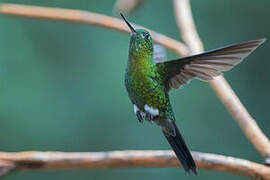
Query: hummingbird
{"type": "Point", "coordinates": [148, 82]}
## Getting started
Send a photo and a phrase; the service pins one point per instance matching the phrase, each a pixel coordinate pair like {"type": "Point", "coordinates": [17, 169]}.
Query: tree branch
{"type": "Point", "coordinates": [84, 17]}
{"type": "Point", "coordinates": [126, 159]}
{"type": "Point", "coordinates": [223, 90]}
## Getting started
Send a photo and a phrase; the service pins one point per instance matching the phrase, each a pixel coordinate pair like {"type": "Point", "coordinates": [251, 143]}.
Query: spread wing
{"type": "Point", "coordinates": [206, 65]}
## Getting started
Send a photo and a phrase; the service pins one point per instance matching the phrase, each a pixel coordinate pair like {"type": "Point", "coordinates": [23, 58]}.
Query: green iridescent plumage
{"type": "Point", "coordinates": [143, 82]}
{"type": "Point", "coordinates": [148, 82]}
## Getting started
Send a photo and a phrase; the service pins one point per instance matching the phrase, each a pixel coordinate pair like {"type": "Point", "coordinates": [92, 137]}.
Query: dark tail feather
{"type": "Point", "coordinates": [181, 150]}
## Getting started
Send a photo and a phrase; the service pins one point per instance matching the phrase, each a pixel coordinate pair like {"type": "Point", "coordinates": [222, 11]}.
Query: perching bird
{"type": "Point", "coordinates": [148, 82]}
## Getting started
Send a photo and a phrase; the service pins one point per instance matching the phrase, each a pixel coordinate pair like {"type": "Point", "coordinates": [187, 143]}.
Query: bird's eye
{"type": "Point", "coordinates": [147, 36]}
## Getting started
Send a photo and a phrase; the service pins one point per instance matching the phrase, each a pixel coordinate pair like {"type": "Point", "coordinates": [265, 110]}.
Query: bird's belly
{"type": "Point", "coordinates": [147, 94]}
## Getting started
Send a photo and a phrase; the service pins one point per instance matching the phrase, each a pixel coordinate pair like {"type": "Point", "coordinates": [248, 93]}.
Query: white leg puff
{"type": "Point", "coordinates": [151, 110]}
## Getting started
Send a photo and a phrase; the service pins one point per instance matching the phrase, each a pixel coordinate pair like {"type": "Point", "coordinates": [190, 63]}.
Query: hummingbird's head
{"type": "Point", "coordinates": [141, 42]}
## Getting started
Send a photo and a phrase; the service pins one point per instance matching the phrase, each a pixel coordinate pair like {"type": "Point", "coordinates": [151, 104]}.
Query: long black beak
{"type": "Point", "coordinates": [129, 25]}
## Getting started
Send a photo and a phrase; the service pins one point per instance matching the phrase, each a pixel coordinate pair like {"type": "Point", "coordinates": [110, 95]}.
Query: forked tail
{"type": "Point", "coordinates": [181, 150]}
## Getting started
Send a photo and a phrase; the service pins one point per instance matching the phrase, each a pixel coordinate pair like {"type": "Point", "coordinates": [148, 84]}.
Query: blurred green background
{"type": "Point", "coordinates": [62, 86]}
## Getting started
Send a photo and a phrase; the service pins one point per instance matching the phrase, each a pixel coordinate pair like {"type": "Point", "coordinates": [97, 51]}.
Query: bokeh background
{"type": "Point", "coordinates": [62, 86]}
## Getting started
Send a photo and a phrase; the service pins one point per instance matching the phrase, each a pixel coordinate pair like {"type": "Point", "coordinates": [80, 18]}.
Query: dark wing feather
{"type": "Point", "coordinates": [205, 66]}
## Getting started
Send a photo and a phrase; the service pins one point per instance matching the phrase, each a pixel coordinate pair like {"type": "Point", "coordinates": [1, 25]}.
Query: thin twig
{"type": "Point", "coordinates": [126, 159]}
{"type": "Point", "coordinates": [241, 115]}
{"type": "Point", "coordinates": [219, 84]}
{"type": "Point", "coordinates": [187, 26]}
{"type": "Point", "coordinates": [84, 17]}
